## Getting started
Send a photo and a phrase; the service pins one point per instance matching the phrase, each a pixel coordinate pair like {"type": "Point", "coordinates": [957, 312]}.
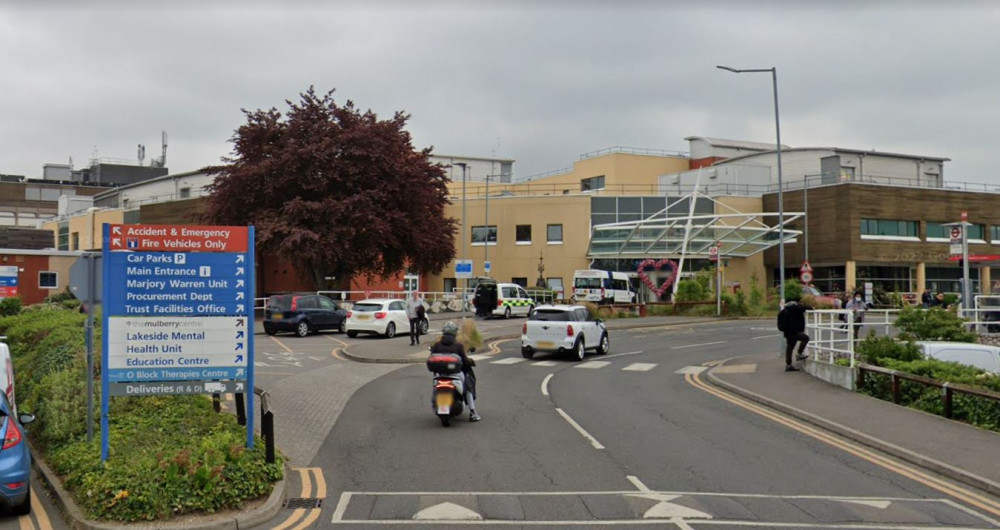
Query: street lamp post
{"type": "Point", "coordinates": [781, 206]}
{"type": "Point", "coordinates": [463, 165]}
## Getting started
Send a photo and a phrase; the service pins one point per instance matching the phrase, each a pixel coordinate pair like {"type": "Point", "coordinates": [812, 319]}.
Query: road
{"type": "Point", "coordinates": [632, 438]}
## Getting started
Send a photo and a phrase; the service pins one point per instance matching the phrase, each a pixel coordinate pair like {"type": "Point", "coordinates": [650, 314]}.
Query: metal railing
{"type": "Point", "coordinates": [832, 335]}
{"type": "Point", "coordinates": [948, 390]}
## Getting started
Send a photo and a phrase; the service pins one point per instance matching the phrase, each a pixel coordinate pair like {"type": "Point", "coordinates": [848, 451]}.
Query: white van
{"type": "Point", "coordinates": [981, 356]}
{"type": "Point", "coordinates": [602, 287]}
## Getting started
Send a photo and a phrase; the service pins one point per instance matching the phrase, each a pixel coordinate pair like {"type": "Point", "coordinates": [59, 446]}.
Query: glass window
{"type": "Point", "coordinates": [889, 227]}
{"type": "Point", "coordinates": [75, 241]}
{"type": "Point", "coordinates": [630, 205]}
{"type": "Point", "coordinates": [603, 205]}
{"type": "Point", "coordinates": [976, 231]}
{"type": "Point", "coordinates": [484, 234]}
{"type": "Point", "coordinates": [63, 241]}
{"type": "Point", "coordinates": [48, 280]}
{"type": "Point", "coordinates": [554, 233]}
{"type": "Point", "coordinates": [326, 303]}
{"type": "Point", "coordinates": [520, 280]}
{"type": "Point", "coordinates": [651, 205]}
{"type": "Point", "coordinates": [938, 230]}
{"type": "Point", "coordinates": [593, 183]}
{"type": "Point", "coordinates": [523, 233]}
{"type": "Point", "coordinates": [995, 233]}
{"type": "Point", "coordinates": [185, 193]}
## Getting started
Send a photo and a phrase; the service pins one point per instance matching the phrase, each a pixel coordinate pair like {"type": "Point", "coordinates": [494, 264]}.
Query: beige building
{"type": "Point", "coordinates": [547, 222]}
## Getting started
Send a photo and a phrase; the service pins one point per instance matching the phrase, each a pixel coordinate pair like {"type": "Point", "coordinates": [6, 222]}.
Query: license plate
{"type": "Point", "coordinates": [277, 316]}
{"type": "Point", "coordinates": [362, 317]}
{"type": "Point", "coordinates": [545, 344]}
{"type": "Point", "coordinates": [443, 400]}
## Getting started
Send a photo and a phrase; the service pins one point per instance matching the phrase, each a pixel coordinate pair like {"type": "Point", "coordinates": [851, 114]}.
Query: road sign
{"type": "Point", "coordinates": [81, 283]}
{"type": "Point", "coordinates": [8, 281]}
{"type": "Point", "coordinates": [463, 268]}
{"type": "Point", "coordinates": [713, 253]}
{"type": "Point", "coordinates": [806, 277]}
{"type": "Point", "coordinates": [805, 267]}
{"type": "Point", "coordinates": [177, 312]}
{"type": "Point", "coordinates": [487, 266]}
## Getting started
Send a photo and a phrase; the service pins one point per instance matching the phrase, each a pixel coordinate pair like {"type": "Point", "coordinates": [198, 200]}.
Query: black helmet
{"type": "Point", "coordinates": [449, 328]}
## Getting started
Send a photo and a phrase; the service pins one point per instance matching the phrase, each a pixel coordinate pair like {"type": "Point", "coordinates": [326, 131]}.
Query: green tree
{"type": "Point", "coordinates": [335, 190]}
{"type": "Point", "coordinates": [932, 324]}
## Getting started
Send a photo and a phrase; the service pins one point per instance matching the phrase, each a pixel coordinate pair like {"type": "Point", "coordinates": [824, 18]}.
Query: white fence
{"type": "Point", "coordinates": [831, 331]}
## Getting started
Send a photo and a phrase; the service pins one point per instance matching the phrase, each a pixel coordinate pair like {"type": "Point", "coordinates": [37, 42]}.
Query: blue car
{"type": "Point", "coordinates": [15, 460]}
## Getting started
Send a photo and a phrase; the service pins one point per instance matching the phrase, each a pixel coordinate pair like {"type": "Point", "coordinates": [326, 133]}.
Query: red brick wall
{"type": "Point", "coordinates": [27, 279]}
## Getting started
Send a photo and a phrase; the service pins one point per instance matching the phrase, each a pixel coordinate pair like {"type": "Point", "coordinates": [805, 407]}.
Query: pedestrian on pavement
{"type": "Point", "coordinates": [939, 301]}
{"type": "Point", "coordinates": [926, 299]}
{"type": "Point", "coordinates": [792, 322]}
{"type": "Point", "coordinates": [449, 344]}
{"type": "Point", "coordinates": [857, 306]}
{"type": "Point", "coordinates": [414, 315]}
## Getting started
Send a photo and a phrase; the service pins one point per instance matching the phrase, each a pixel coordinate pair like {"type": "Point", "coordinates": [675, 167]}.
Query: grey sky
{"type": "Point", "coordinates": [541, 85]}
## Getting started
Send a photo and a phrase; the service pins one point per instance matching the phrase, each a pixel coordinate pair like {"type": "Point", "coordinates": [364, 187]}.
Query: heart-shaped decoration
{"type": "Point", "coordinates": [658, 265]}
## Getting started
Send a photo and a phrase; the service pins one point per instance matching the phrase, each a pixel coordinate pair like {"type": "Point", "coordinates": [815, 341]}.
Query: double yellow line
{"type": "Point", "coordinates": [302, 518]}
{"type": "Point", "coordinates": [967, 496]}
{"type": "Point", "coordinates": [26, 522]}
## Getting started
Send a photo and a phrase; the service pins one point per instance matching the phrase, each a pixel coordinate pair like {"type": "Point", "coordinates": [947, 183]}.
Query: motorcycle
{"type": "Point", "coordinates": [448, 396]}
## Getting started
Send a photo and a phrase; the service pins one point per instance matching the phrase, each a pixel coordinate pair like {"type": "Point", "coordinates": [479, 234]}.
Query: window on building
{"type": "Point", "coordinates": [450, 284]}
{"type": "Point", "coordinates": [889, 228]}
{"type": "Point", "coordinates": [48, 280]}
{"type": "Point", "coordinates": [185, 193]}
{"type": "Point", "coordinates": [943, 231]}
{"type": "Point", "coordinates": [554, 234]}
{"type": "Point", "coordinates": [484, 235]}
{"type": "Point", "coordinates": [63, 238]}
{"type": "Point", "coordinates": [995, 234]}
{"type": "Point", "coordinates": [75, 241]}
{"type": "Point", "coordinates": [520, 280]}
{"type": "Point", "coordinates": [523, 234]}
{"type": "Point", "coordinates": [846, 173]}
{"type": "Point", "coordinates": [592, 184]}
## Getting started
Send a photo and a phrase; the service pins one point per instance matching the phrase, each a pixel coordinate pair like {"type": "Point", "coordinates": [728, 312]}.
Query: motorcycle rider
{"type": "Point", "coordinates": [448, 344]}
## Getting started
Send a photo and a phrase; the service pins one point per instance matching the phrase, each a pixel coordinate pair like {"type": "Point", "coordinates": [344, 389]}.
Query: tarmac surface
{"type": "Point", "coordinates": [960, 452]}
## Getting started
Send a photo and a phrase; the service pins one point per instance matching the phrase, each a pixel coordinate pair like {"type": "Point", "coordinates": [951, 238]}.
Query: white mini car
{"type": "Point", "coordinates": [562, 329]}
{"type": "Point", "coordinates": [379, 316]}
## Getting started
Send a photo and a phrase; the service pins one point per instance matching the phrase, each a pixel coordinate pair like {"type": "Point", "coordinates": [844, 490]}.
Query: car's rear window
{"type": "Point", "coordinates": [280, 302]}
{"type": "Point", "coordinates": [551, 315]}
{"type": "Point", "coordinates": [367, 308]}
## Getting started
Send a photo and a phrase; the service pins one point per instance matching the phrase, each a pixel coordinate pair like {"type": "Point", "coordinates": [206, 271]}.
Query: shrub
{"type": "Point", "coordinates": [877, 350]}
{"type": "Point", "coordinates": [10, 306]}
{"type": "Point", "coordinates": [736, 304]}
{"type": "Point", "coordinates": [932, 324]}
{"type": "Point", "coordinates": [468, 335]}
{"type": "Point", "coordinates": [690, 291]}
{"type": "Point", "coordinates": [793, 289]}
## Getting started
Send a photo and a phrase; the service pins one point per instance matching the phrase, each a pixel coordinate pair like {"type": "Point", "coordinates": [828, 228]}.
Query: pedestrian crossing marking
{"type": "Point", "coordinates": [748, 368]}
{"type": "Point", "coordinates": [639, 367]}
{"type": "Point", "coordinates": [509, 360]}
{"type": "Point", "coordinates": [693, 370]}
{"type": "Point", "coordinates": [480, 356]}
{"type": "Point", "coordinates": [544, 363]}
{"type": "Point", "coordinates": [593, 364]}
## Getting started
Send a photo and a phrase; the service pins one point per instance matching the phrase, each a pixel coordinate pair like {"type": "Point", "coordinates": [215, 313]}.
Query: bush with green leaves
{"type": "Point", "coordinates": [932, 324]}
{"type": "Point", "coordinates": [878, 349]}
{"type": "Point", "coordinates": [10, 306]}
{"type": "Point", "coordinates": [691, 291]}
{"type": "Point", "coordinates": [170, 455]}
{"type": "Point", "coordinates": [793, 290]}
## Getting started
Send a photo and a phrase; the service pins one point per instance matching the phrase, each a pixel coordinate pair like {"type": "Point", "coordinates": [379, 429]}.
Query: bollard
{"type": "Point", "coordinates": [241, 411]}
{"type": "Point", "coordinates": [267, 432]}
{"type": "Point", "coordinates": [948, 393]}
{"type": "Point", "coordinates": [895, 388]}
{"type": "Point", "coordinates": [217, 402]}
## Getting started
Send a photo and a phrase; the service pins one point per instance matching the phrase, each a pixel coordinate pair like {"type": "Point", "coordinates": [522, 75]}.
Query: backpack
{"type": "Point", "coordinates": [781, 320]}
{"type": "Point", "coordinates": [421, 312]}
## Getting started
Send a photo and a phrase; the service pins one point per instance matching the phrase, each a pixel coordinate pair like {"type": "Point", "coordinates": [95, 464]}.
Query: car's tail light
{"type": "Point", "coordinates": [295, 303]}
{"type": "Point", "coordinates": [499, 303]}
{"type": "Point", "coordinates": [569, 330]}
{"type": "Point", "coordinates": [380, 314]}
{"type": "Point", "coordinates": [349, 313]}
{"type": "Point", "coordinates": [13, 436]}
{"type": "Point", "coordinates": [524, 329]}
{"type": "Point", "coordinates": [15, 485]}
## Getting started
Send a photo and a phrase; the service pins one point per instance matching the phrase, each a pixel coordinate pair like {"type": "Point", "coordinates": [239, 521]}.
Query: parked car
{"type": "Point", "coordinates": [15, 458]}
{"type": "Point", "coordinates": [302, 314]}
{"type": "Point", "coordinates": [377, 316]}
{"type": "Point", "coordinates": [502, 299]}
{"type": "Point", "coordinates": [817, 295]}
{"type": "Point", "coordinates": [562, 329]}
{"type": "Point", "coordinates": [982, 356]}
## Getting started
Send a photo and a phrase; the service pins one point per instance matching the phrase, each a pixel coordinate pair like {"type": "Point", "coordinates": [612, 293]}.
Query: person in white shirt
{"type": "Point", "coordinates": [414, 312]}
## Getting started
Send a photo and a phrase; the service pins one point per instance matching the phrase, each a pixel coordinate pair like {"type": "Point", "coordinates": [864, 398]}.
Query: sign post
{"type": "Point", "coordinates": [178, 319]}
{"type": "Point", "coordinates": [713, 256]}
{"type": "Point", "coordinates": [806, 273]}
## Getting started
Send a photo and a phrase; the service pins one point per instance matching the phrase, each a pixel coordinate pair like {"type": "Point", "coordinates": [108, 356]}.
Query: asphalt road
{"type": "Point", "coordinates": [631, 438]}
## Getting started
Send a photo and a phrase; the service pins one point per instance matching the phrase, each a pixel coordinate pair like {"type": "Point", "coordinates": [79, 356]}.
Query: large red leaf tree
{"type": "Point", "coordinates": [335, 191]}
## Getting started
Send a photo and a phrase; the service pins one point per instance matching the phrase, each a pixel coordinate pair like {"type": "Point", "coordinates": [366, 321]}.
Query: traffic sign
{"type": "Point", "coordinates": [8, 280]}
{"type": "Point", "coordinates": [806, 277]}
{"type": "Point", "coordinates": [463, 268]}
{"type": "Point", "coordinates": [805, 267]}
{"type": "Point", "coordinates": [178, 304]}
{"type": "Point", "coordinates": [487, 266]}
{"type": "Point", "coordinates": [713, 253]}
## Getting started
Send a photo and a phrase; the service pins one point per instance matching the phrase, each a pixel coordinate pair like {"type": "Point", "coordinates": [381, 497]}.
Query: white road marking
{"type": "Point", "coordinates": [509, 360]}
{"type": "Point", "coordinates": [593, 364]}
{"type": "Point", "coordinates": [664, 509]}
{"type": "Point", "coordinates": [593, 441]}
{"type": "Point", "coordinates": [766, 336]}
{"type": "Point", "coordinates": [480, 356]}
{"type": "Point", "coordinates": [623, 354]}
{"type": "Point", "coordinates": [697, 345]}
{"type": "Point", "coordinates": [638, 483]}
{"type": "Point", "coordinates": [639, 367]}
{"type": "Point", "coordinates": [545, 384]}
{"type": "Point", "coordinates": [338, 514]}
{"type": "Point", "coordinates": [693, 370]}
{"type": "Point", "coordinates": [447, 511]}
{"type": "Point", "coordinates": [544, 363]}
{"type": "Point", "coordinates": [874, 504]}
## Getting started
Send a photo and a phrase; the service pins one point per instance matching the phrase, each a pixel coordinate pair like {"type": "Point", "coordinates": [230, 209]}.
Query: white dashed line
{"type": "Point", "coordinates": [593, 365]}
{"type": "Point", "coordinates": [509, 360]}
{"type": "Point", "coordinates": [544, 363]}
{"type": "Point", "coordinates": [639, 367]}
{"type": "Point", "coordinates": [698, 345]}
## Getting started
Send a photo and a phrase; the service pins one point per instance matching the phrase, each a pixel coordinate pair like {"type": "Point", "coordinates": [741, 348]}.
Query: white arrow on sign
{"type": "Point", "coordinates": [116, 230]}
{"type": "Point", "coordinates": [239, 295]}
{"type": "Point", "coordinates": [239, 271]}
{"type": "Point", "coordinates": [116, 241]}
{"type": "Point", "coordinates": [240, 258]}
{"type": "Point", "coordinates": [239, 283]}
{"type": "Point", "coordinates": [240, 308]}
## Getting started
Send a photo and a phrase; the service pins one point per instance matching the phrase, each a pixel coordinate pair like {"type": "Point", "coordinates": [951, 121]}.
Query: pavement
{"type": "Point", "coordinates": [949, 448]}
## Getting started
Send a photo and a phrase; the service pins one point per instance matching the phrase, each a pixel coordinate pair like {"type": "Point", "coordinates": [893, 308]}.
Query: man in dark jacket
{"type": "Point", "coordinates": [794, 328]}
{"type": "Point", "coordinates": [449, 344]}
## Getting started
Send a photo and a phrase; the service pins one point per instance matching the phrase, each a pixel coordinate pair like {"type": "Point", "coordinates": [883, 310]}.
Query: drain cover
{"type": "Point", "coordinates": [300, 502]}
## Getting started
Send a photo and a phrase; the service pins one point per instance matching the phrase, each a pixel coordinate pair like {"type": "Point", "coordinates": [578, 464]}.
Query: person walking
{"type": "Point", "coordinates": [413, 314]}
{"type": "Point", "coordinates": [858, 306]}
{"type": "Point", "coordinates": [926, 299]}
{"type": "Point", "coordinates": [792, 322]}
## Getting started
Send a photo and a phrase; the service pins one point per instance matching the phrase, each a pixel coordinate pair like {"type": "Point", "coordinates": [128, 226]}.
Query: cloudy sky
{"type": "Point", "coordinates": [539, 82]}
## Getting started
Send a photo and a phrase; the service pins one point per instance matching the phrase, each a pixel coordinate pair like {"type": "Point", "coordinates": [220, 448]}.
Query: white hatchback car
{"type": "Point", "coordinates": [378, 316]}
{"type": "Point", "coordinates": [563, 328]}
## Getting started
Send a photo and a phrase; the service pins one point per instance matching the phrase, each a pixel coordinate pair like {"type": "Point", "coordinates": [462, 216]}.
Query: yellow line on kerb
{"type": "Point", "coordinates": [43, 518]}
{"type": "Point", "coordinates": [965, 495]}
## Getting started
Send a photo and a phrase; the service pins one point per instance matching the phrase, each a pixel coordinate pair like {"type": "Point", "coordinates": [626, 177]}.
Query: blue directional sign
{"type": "Point", "coordinates": [178, 312]}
